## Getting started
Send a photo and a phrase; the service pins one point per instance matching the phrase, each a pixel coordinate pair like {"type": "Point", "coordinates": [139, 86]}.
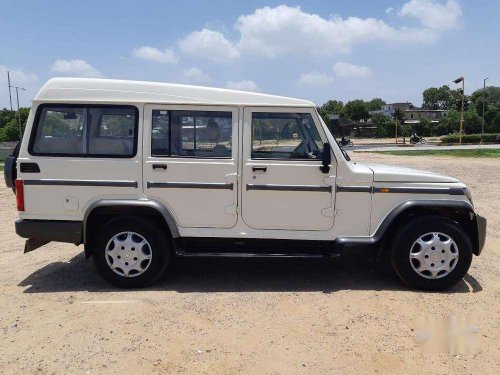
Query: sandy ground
{"type": "Point", "coordinates": [247, 316]}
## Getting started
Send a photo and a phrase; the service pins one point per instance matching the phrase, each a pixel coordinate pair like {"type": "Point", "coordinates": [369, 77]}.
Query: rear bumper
{"type": "Point", "coordinates": [51, 230]}
{"type": "Point", "coordinates": [481, 233]}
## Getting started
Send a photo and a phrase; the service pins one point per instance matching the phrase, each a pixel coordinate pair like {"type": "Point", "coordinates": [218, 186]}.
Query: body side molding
{"type": "Point", "coordinates": [50, 182]}
{"type": "Point", "coordinates": [167, 215]}
{"type": "Point", "coordinates": [272, 187]}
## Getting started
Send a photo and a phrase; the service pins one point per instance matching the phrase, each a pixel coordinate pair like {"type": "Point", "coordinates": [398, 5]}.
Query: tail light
{"type": "Point", "coordinates": [20, 195]}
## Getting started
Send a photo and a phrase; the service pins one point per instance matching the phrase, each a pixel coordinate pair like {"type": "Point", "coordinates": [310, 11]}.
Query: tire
{"type": "Point", "coordinates": [131, 252]}
{"type": "Point", "coordinates": [436, 263]}
{"type": "Point", "coordinates": [423, 141]}
{"type": "Point", "coordinates": [351, 144]}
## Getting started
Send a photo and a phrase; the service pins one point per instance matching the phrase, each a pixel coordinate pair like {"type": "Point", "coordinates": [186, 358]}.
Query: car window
{"type": "Point", "coordinates": [160, 133]}
{"type": "Point", "coordinates": [60, 131]}
{"type": "Point", "coordinates": [108, 131]}
{"type": "Point", "coordinates": [201, 134]}
{"type": "Point", "coordinates": [112, 131]}
{"type": "Point", "coordinates": [285, 136]}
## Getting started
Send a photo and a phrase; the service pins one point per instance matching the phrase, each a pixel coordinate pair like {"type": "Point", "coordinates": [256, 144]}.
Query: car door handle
{"type": "Point", "coordinates": [160, 166]}
{"type": "Point", "coordinates": [259, 169]}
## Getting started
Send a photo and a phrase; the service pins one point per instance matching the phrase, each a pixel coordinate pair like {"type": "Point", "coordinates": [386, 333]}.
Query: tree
{"type": "Point", "coordinates": [375, 104]}
{"type": "Point", "coordinates": [495, 125]}
{"type": "Point", "coordinates": [384, 124]}
{"type": "Point", "coordinates": [334, 107]}
{"type": "Point", "coordinates": [357, 110]}
{"type": "Point", "coordinates": [441, 98]}
{"type": "Point", "coordinates": [472, 121]}
{"type": "Point", "coordinates": [405, 131]}
{"type": "Point", "coordinates": [9, 125]}
{"type": "Point", "coordinates": [423, 128]}
{"type": "Point", "coordinates": [449, 124]}
{"type": "Point", "coordinates": [399, 115]}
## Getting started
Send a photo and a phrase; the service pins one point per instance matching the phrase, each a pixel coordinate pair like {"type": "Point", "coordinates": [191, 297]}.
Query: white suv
{"type": "Point", "coordinates": [140, 171]}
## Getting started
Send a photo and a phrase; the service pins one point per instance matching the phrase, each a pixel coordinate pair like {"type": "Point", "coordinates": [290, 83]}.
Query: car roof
{"type": "Point", "coordinates": [66, 90]}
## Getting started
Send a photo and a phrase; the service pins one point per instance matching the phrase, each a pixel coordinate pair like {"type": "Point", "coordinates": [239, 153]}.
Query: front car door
{"type": "Point", "coordinates": [282, 184]}
{"type": "Point", "coordinates": [190, 163]}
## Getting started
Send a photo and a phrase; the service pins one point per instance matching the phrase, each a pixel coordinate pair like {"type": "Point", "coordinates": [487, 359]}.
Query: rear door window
{"type": "Point", "coordinates": [199, 134]}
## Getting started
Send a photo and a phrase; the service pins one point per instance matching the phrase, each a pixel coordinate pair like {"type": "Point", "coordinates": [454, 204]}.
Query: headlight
{"type": "Point", "coordinates": [468, 194]}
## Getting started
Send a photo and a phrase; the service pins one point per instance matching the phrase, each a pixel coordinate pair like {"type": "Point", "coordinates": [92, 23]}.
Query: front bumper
{"type": "Point", "coordinates": [481, 233]}
{"type": "Point", "coordinates": [40, 232]}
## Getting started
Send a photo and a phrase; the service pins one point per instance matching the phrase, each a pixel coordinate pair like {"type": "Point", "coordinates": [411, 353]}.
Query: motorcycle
{"type": "Point", "coordinates": [346, 142]}
{"type": "Point", "coordinates": [414, 139]}
{"type": "Point", "coordinates": [497, 139]}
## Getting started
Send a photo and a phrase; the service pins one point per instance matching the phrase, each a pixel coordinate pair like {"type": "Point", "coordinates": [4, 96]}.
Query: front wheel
{"type": "Point", "coordinates": [131, 252]}
{"type": "Point", "coordinates": [431, 253]}
{"type": "Point", "coordinates": [350, 144]}
{"type": "Point", "coordinates": [423, 141]}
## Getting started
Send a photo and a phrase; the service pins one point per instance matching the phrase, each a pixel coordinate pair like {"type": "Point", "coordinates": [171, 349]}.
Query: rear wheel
{"type": "Point", "coordinates": [131, 252]}
{"type": "Point", "coordinates": [431, 253]}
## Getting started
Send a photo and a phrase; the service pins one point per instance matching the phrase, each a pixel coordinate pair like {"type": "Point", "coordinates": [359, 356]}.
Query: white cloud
{"type": "Point", "coordinates": [154, 54]}
{"type": "Point", "coordinates": [432, 14]}
{"type": "Point", "coordinates": [346, 70]}
{"type": "Point", "coordinates": [209, 44]}
{"type": "Point", "coordinates": [283, 29]}
{"type": "Point", "coordinates": [245, 85]}
{"type": "Point", "coordinates": [195, 75]}
{"type": "Point", "coordinates": [77, 67]}
{"type": "Point", "coordinates": [389, 10]}
{"type": "Point", "coordinates": [315, 79]}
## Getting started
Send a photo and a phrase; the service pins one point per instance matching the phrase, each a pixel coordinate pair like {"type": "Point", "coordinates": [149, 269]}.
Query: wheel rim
{"type": "Point", "coordinates": [128, 254]}
{"type": "Point", "coordinates": [434, 255]}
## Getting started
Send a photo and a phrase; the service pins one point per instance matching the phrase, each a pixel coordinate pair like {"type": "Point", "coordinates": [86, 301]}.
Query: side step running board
{"type": "Point", "coordinates": [181, 253]}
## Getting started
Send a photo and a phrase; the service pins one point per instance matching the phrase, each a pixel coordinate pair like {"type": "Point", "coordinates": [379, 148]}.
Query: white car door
{"type": "Point", "coordinates": [190, 162]}
{"type": "Point", "coordinates": [282, 184]}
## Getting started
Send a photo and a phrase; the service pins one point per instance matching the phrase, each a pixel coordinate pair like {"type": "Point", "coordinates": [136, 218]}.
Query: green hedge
{"type": "Point", "coordinates": [470, 138]}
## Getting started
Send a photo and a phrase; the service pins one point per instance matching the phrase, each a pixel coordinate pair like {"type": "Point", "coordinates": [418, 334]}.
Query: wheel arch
{"type": "Point", "coordinates": [459, 211]}
{"type": "Point", "coordinates": [103, 210]}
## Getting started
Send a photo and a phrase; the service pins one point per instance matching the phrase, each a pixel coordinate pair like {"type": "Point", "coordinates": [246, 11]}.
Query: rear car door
{"type": "Point", "coordinates": [282, 185]}
{"type": "Point", "coordinates": [190, 163]}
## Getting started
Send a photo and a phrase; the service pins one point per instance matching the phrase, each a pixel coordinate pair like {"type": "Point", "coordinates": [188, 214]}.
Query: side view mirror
{"type": "Point", "coordinates": [326, 158]}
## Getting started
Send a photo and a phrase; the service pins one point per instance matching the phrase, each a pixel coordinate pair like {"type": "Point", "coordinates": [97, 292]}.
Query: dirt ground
{"type": "Point", "coordinates": [246, 316]}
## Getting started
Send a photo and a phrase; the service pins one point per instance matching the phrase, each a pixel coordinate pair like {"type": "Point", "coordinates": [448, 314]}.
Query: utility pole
{"type": "Point", "coordinates": [18, 111]}
{"type": "Point", "coordinates": [10, 95]}
{"type": "Point", "coordinates": [484, 100]}
{"type": "Point", "coordinates": [457, 81]}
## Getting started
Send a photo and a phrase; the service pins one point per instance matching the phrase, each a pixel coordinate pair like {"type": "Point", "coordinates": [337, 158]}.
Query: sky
{"type": "Point", "coordinates": [316, 49]}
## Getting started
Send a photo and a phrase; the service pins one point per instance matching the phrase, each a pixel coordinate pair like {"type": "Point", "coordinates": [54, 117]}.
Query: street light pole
{"type": "Point", "coordinates": [458, 80]}
{"type": "Point", "coordinates": [484, 100]}
{"type": "Point", "coordinates": [10, 95]}
{"type": "Point", "coordinates": [19, 112]}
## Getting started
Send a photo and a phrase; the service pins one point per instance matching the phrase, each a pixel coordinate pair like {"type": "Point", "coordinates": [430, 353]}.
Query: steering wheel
{"type": "Point", "coordinates": [303, 149]}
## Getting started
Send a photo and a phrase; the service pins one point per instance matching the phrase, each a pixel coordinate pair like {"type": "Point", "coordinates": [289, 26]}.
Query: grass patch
{"type": "Point", "coordinates": [467, 153]}
{"type": "Point", "coordinates": [1, 166]}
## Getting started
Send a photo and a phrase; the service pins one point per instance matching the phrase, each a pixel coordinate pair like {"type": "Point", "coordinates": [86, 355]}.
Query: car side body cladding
{"type": "Point", "coordinates": [106, 209]}
{"type": "Point", "coordinates": [459, 211]}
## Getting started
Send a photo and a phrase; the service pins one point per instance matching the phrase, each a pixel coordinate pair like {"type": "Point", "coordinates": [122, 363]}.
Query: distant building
{"type": "Point", "coordinates": [413, 116]}
{"type": "Point", "coordinates": [390, 109]}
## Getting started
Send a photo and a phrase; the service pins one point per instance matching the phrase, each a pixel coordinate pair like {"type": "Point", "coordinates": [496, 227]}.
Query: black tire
{"type": "Point", "coordinates": [160, 248]}
{"type": "Point", "coordinates": [410, 232]}
{"type": "Point", "coordinates": [423, 141]}
{"type": "Point", "coordinates": [351, 144]}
